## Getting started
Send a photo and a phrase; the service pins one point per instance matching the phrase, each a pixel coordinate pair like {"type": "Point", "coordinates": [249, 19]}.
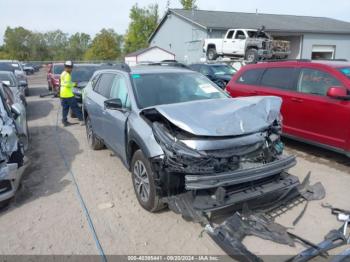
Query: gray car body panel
{"type": "Point", "coordinates": [8, 144]}
{"type": "Point", "coordinates": [223, 117]}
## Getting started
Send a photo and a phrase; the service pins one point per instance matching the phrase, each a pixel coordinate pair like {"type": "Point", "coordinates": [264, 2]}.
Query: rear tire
{"type": "Point", "coordinates": [252, 56]}
{"type": "Point", "coordinates": [211, 54]}
{"type": "Point", "coordinates": [144, 184]}
{"type": "Point", "coordinates": [94, 142]}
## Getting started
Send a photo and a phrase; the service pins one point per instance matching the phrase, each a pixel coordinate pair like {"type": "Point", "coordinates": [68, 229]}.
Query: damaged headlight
{"type": "Point", "coordinates": [170, 144]}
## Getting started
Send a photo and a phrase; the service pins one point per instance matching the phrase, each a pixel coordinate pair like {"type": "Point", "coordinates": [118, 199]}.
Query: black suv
{"type": "Point", "coordinates": [220, 74]}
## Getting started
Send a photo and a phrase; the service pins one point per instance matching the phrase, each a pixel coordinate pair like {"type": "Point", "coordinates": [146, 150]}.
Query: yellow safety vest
{"type": "Point", "coordinates": [66, 90]}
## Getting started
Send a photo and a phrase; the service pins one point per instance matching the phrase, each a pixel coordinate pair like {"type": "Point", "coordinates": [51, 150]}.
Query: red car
{"type": "Point", "coordinates": [53, 76]}
{"type": "Point", "coordinates": [316, 98]}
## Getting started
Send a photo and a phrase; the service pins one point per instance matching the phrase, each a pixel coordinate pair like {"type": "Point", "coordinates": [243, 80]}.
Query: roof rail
{"type": "Point", "coordinates": [118, 66]}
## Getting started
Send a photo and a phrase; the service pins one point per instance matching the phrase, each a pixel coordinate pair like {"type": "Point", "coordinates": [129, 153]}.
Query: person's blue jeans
{"type": "Point", "coordinates": [73, 105]}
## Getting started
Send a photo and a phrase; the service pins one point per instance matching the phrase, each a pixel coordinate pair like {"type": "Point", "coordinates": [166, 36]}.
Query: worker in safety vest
{"type": "Point", "coordinates": [66, 94]}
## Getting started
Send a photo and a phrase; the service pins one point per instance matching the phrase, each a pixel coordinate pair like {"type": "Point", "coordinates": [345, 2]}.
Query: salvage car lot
{"type": "Point", "coordinates": [48, 218]}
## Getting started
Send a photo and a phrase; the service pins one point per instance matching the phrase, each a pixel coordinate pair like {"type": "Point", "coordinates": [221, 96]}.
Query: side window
{"type": "Point", "coordinates": [94, 81]}
{"type": "Point", "coordinates": [240, 35]}
{"type": "Point", "coordinates": [281, 78]}
{"type": "Point", "coordinates": [230, 34]}
{"type": "Point", "coordinates": [205, 70]}
{"type": "Point", "coordinates": [120, 90]}
{"type": "Point", "coordinates": [316, 82]}
{"type": "Point", "coordinates": [250, 77]}
{"type": "Point", "coordinates": [104, 85]}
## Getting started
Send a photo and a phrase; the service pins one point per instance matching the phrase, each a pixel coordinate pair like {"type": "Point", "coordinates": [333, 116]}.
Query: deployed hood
{"type": "Point", "coordinates": [223, 117]}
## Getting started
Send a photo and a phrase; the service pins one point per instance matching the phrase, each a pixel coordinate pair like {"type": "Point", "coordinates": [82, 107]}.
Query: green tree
{"type": "Point", "coordinates": [17, 43]}
{"type": "Point", "coordinates": [57, 42]}
{"type": "Point", "coordinates": [38, 49]}
{"type": "Point", "coordinates": [143, 22]}
{"type": "Point", "coordinates": [105, 46]}
{"type": "Point", "coordinates": [78, 44]}
{"type": "Point", "coordinates": [189, 4]}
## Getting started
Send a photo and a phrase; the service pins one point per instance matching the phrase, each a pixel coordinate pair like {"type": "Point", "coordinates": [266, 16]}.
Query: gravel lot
{"type": "Point", "coordinates": [46, 216]}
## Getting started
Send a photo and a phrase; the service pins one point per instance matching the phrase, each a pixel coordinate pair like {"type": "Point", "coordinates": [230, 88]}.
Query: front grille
{"type": "Point", "coordinates": [5, 186]}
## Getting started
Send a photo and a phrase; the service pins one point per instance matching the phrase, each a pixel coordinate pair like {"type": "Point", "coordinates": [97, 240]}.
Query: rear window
{"type": "Point", "coordinates": [250, 77]}
{"type": "Point", "coordinates": [281, 78]}
{"type": "Point", "coordinates": [345, 71]}
{"type": "Point", "coordinates": [7, 77]}
{"type": "Point", "coordinates": [58, 69]}
{"type": "Point", "coordinates": [7, 67]}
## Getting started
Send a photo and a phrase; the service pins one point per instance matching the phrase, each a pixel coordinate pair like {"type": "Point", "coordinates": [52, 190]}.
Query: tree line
{"type": "Point", "coordinates": [26, 45]}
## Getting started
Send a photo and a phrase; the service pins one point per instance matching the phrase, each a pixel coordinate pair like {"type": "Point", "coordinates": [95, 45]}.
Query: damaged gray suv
{"type": "Point", "coordinates": [185, 141]}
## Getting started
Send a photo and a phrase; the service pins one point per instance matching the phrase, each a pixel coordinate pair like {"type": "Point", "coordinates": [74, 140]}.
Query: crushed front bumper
{"type": "Point", "coordinates": [196, 182]}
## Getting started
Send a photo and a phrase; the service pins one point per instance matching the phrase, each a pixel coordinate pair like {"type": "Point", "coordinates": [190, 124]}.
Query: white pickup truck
{"type": "Point", "coordinates": [251, 44]}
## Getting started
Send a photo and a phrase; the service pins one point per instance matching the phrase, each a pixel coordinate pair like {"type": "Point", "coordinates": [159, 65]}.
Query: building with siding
{"type": "Point", "coordinates": [182, 32]}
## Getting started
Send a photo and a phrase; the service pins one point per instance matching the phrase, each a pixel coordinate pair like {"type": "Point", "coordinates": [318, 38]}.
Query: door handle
{"type": "Point", "coordinates": [253, 92]}
{"type": "Point", "coordinates": [299, 100]}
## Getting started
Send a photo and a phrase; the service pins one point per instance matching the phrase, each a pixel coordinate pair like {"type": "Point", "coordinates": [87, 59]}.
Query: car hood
{"type": "Point", "coordinates": [223, 117]}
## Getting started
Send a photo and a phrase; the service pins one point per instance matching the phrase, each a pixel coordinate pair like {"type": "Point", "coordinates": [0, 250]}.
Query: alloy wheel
{"type": "Point", "coordinates": [141, 180]}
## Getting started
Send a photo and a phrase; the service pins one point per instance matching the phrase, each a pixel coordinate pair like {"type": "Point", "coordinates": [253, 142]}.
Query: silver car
{"type": "Point", "coordinates": [11, 151]}
{"type": "Point", "coordinates": [188, 144]}
{"type": "Point", "coordinates": [15, 99]}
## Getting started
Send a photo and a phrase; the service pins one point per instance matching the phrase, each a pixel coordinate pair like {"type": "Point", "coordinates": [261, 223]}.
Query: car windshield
{"type": "Point", "coordinates": [223, 70]}
{"type": "Point", "coordinates": [8, 67]}
{"type": "Point", "coordinates": [57, 69]}
{"type": "Point", "coordinates": [6, 77]}
{"type": "Point", "coordinates": [345, 71]}
{"type": "Point", "coordinates": [83, 73]}
{"type": "Point", "coordinates": [171, 88]}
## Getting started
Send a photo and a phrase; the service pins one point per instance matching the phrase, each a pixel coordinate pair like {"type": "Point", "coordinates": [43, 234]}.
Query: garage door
{"type": "Point", "coordinates": [323, 52]}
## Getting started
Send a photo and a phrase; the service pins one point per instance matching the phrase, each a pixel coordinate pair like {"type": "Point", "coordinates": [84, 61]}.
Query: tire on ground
{"type": "Point", "coordinates": [94, 142]}
{"type": "Point", "coordinates": [153, 204]}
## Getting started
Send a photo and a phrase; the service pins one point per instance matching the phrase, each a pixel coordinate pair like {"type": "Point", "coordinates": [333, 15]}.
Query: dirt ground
{"type": "Point", "coordinates": [46, 216]}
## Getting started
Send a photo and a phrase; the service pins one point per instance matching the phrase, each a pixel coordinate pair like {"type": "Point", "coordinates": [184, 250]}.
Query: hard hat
{"type": "Point", "coordinates": [68, 63]}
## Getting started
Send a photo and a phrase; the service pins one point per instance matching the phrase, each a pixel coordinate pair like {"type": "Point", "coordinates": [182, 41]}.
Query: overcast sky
{"type": "Point", "coordinates": [91, 16]}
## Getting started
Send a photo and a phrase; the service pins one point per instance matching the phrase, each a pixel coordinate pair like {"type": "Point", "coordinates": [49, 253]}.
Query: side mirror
{"type": "Point", "coordinates": [22, 83]}
{"type": "Point", "coordinates": [338, 93]}
{"type": "Point", "coordinates": [6, 83]}
{"type": "Point", "coordinates": [15, 111]}
{"type": "Point", "coordinates": [113, 104]}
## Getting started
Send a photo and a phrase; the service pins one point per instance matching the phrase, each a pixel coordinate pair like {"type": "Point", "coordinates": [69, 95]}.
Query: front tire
{"type": "Point", "coordinates": [211, 54]}
{"type": "Point", "coordinates": [94, 142]}
{"type": "Point", "coordinates": [144, 184]}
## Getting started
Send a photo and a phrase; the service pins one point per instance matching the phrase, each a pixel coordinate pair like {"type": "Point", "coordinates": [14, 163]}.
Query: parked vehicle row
{"type": "Point", "coordinates": [15, 67]}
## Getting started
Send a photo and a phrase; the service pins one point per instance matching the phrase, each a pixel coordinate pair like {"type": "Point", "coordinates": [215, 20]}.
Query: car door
{"type": "Point", "coordinates": [238, 43]}
{"type": "Point", "coordinates": [115, 120]}
{"type": "Point", "coordinates": [95, 102]}
{"type": "Point", "coordinates": [322, 119]}
{"type": "Point", "coordinates": [227, 45]}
